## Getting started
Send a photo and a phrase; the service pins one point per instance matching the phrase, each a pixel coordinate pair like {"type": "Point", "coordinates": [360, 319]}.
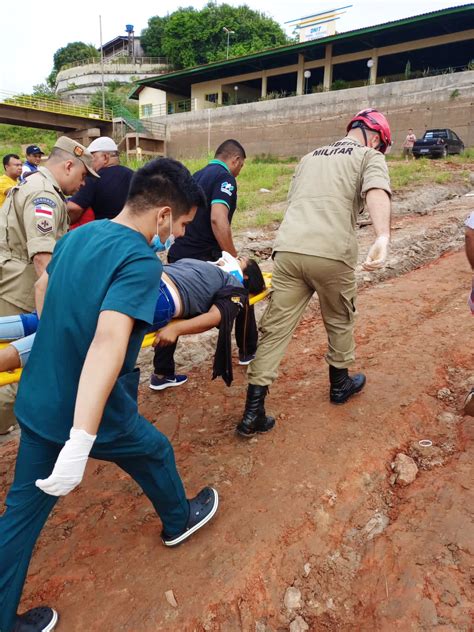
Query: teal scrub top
{"type": "Point", "coordinates": [99, 266]}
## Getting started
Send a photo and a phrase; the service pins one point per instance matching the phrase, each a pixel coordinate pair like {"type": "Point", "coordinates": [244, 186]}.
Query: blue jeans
{"type": "Point", "coordinates": [145, 454]}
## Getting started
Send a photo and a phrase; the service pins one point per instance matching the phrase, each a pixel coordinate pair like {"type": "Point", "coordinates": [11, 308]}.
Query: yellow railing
{"type": "Point", "coordinates": [10, 377]}
{"type": "Point", "coordinates": [52, 104]}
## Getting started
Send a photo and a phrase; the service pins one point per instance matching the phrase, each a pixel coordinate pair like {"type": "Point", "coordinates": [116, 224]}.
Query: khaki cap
{"type": "Point", "coordinates": [78, 151]}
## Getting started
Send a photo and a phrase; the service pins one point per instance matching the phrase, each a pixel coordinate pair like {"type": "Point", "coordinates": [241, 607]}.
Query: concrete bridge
{"type": "Point", "coordinates": [83, 123]}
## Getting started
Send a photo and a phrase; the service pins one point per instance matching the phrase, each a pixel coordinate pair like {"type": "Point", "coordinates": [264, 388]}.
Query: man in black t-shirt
{"type": "Point", "coordinates": [210, 233]}
{"type": "Point", "coordinates": [105, 196]}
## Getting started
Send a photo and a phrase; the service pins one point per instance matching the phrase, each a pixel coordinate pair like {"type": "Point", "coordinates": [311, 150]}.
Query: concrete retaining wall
{"type": "Point", "coordinates": [295, 125]}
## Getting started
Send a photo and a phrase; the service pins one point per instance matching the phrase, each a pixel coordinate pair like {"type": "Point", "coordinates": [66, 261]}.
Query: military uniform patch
{"type": "Point", "coordinates": [44, 200]}
{"type": "Point", "coordinates": [44, 226]}
{"type": "Point", "coordinates": [42, 210]}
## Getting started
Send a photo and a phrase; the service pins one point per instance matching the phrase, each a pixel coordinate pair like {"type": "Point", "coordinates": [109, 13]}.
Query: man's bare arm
{"type": "Point", "coordinates": [221, 228]}
{"type": "Point", "coordinates": [169, 334]}
{"type": "Point", "coordinates": [40, 262]}
{"type": "Point", "coordinates": [41, 286]}
{"type": "Point", "coordinates": [101, 368]}
{"type": "Point", "coordinates": [9, 359]}
{"type": "Point", "coordinates": [379, 207]}
{"type": "Point", "coordinates": [75, 211]}
{"type": "Point", "coordinates": [469, 241]}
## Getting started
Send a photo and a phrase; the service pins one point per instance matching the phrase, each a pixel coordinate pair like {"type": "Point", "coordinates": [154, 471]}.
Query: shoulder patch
{"type": "Point", "coordinates": [44, 226]}
{"type": "Point", "coordinates": [227, 187]}
{"type": "Point", "coordinates": [44, 200]}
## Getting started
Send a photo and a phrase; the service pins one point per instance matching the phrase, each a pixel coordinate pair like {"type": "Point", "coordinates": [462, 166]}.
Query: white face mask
{"type": "Point", "coordinates": [157, 245]}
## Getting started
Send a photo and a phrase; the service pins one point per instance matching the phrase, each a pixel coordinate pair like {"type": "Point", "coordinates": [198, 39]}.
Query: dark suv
{"type": "Point", "coordinates": [437, 143]}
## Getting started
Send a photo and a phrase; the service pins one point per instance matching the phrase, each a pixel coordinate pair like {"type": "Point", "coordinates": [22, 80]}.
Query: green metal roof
{"type": "Point", "coordinates": [240, 65]}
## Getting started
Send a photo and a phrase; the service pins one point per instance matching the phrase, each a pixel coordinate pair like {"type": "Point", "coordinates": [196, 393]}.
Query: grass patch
{"type": "Point", "coordinates": [12, 137]}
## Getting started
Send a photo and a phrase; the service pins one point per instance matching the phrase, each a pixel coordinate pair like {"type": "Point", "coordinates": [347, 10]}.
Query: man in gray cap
{"type": "Point", "coordinates": [32, 219]}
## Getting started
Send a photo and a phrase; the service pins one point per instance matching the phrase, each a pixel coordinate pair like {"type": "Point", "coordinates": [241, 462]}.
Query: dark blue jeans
{"type": "Point", "coordinates": [145, 453]}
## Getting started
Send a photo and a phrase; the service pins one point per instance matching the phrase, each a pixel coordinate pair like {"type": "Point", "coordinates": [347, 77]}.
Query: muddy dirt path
{"type": "Point", "coordinates": [312, 533]}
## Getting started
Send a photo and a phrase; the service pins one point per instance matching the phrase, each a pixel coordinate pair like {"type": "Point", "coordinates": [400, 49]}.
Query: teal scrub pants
{"type": "Point", "coordinates": [145, 454]}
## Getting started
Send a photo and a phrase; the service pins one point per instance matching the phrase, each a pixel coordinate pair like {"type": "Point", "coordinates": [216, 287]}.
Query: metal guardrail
{"type": "Point", "coordinates": [118, 59]}
{"type": "Point", "coordinates": [162, 109]}
{"type": "Point", "coordinates": [52, 104]}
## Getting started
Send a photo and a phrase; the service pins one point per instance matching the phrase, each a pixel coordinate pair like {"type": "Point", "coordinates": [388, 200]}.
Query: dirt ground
{"type": "Point", "coordinates": [312, 533]}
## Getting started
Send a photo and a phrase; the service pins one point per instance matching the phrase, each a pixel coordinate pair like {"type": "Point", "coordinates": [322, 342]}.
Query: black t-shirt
{"type": "Point", "coordinates": [199, 242]}
{"type": "Point", "coordinates": [106, 196]}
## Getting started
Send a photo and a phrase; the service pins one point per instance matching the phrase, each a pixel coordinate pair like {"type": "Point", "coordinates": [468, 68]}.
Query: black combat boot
{"type": "Point", "coordinates": [254, 419]}
{"type": "Point", "coordinates": [343, 385]}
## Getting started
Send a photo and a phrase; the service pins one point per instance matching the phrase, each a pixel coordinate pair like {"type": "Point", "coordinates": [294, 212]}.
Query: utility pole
{"type": "Point", "coordinates": [229, 33]}
{"type": "Point", "coordinates": [102, 67]}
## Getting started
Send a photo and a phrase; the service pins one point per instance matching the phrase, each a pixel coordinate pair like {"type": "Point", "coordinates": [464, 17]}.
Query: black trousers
{"type": "Point", "coordinates": [246, 336]}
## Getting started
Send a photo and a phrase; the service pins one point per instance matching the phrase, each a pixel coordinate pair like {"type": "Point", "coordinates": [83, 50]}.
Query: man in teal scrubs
{"type": "Point", "coordinates": [78, 393]}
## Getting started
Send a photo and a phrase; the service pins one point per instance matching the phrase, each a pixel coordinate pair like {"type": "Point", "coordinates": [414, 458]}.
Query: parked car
{"type": "Point", "coordinates": [437, 143]}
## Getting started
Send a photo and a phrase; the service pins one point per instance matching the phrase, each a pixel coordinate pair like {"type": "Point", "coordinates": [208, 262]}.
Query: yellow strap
{"type": "Point", "coordinates": [10, 377]}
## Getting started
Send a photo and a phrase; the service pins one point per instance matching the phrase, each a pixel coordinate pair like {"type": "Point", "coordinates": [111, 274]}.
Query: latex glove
{"type": "Point", "coordinates": [377, 254]}
{"type": "Point", "coordinates": [70, 464]}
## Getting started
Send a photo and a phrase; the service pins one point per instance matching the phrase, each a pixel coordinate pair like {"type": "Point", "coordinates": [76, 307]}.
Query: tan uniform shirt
{"type": "Point", "coordinates": [326, 195]}
{"type": "Point", "coordinates": [33, 217]}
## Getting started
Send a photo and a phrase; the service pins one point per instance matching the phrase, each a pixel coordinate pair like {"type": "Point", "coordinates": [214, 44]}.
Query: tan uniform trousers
{"type": "Point", "coordinates": [295, 279]}
{"type": "Point", "coordinates": [8, 392]}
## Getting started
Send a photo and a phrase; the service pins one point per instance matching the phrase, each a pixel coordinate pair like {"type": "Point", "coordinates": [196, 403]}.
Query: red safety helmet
{"type": "Point", "coordinates": [374, 120]}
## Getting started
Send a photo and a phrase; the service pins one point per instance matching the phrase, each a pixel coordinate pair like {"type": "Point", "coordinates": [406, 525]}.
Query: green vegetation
{"type": "Point", "coordinates": [256, 209]}
{"type": "Point", "coordinates": [74, 51]}
{"type": "Point", "coordinates": [13, 137]}
{"type": "Point", "coordinates": [190, 37]}
{"type": "Point", "coordinates": [116, 100]}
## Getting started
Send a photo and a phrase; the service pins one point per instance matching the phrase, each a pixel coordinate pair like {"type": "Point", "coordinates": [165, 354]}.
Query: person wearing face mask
{"type": "Point", "coordinates": [32, 219]}
{"type": "Point", "coordinates": [78, 393]}
{"type": "Point", "coordinates": [316, 251]}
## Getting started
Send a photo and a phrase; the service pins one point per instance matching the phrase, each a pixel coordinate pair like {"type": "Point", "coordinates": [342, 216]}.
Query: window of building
{"type": "Point", "coordinates": [147, 110]}
{"type": "Point", "coordinates": [212, 98]}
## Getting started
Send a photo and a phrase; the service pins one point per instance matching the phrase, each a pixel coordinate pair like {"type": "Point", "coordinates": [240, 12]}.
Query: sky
{"type": "Point", "coordinates": [35, 29]}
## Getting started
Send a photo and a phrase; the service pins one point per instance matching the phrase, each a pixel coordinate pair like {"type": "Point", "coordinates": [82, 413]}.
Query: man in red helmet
{"type": "Point", "coordinates": [316, 251]}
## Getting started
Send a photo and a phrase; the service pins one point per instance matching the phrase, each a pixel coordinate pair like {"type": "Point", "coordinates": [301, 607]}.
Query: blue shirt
{"type": "Point", "coordinates": [28, 167]}
{"type": "Point", "coordinates": [99, 266]}
{"type": "Point", "coordinates": [199, 242]}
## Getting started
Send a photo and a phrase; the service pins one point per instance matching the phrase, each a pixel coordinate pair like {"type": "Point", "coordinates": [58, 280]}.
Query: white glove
{"type": "Point", "coordinates": [377, 254]}
{"type": "Point", "coordinates": [70, 464]}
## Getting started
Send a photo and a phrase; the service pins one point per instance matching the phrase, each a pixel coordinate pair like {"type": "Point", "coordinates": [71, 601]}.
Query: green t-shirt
{"type": "Point", "coordinates": [97, 267]}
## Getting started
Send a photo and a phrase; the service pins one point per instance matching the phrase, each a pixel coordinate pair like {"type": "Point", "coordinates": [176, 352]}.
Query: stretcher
{"type": "Point", "coordinates": [10, 377]}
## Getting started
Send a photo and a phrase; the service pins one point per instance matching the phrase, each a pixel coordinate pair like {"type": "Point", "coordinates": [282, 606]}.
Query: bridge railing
{"type": "Point", "coordinates": [118, 60]}
{"type": "Point", "coordinates": [52, 104]}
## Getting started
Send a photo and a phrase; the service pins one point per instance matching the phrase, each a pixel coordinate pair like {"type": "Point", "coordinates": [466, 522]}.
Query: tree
{"type": "Point", "coordinates": [190, 37]}
{"type": "Point", "coordinates": [74, 51]}
{"type": "Point", "coordinates": [116, 100]}
{"type": "Point", "coordinates": [151, 37]}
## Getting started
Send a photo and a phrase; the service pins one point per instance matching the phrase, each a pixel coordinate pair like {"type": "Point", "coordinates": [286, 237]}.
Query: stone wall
{"type": "Point", "coordinates": [293, 126]}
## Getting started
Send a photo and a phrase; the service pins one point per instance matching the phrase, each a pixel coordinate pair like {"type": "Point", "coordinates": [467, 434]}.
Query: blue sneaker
{"type": "Point", "coordinates": [160, 383]}
{"type": "Point", "coordinates": [36, 620]}
{"type": "Point", "coordinates": [201, 509]}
